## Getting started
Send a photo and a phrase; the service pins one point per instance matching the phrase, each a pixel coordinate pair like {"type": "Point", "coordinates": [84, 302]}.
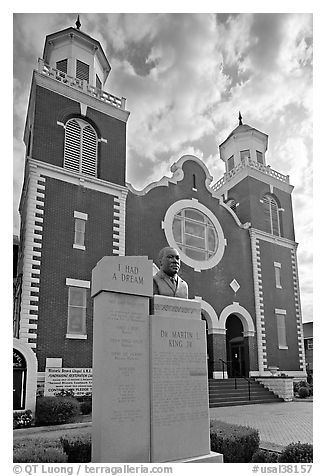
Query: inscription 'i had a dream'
{"type": "Point", "coordinates": [128, 274]}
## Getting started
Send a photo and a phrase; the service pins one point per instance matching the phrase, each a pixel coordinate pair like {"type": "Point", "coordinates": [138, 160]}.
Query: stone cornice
{"type": "Point", "coordinates": [256, 174]}
{"type": "Point", "coordinates": [80, 96]}
{"type": "Point", "coordinates": [277, 240]}
{"type": "Point", "coordinates": [75, 178]}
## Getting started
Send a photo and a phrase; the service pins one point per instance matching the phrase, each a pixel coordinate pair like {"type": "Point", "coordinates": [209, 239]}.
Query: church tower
{"type": "Point", "coordinates": [73, 199]}
{"type": "Point", "coordinates": [261, 196]}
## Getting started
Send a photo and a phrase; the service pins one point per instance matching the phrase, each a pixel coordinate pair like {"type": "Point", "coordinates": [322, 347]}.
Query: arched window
{"type": "Point", "coordinates": [272, 215]}
{"type": "Point", "coordinates": [80, 150]}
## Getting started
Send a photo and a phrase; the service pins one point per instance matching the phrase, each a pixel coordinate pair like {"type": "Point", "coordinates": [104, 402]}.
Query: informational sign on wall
{"type": "Point", "coordinates": [79, 380]}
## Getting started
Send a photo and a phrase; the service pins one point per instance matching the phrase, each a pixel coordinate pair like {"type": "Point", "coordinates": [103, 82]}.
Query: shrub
{"type": "Point", "coordinates": [297, 453]}
{"type": "Point", "coordinates": [303, 392]}
{"type": "Point", "coordinates": [56, 410]}
{"type": "Point", "coordinates": [309, 376]}
{"type": "Point", "coordinates": [78, 448]}
{"type": "Point", "coordinates": [37, 454]}
{"type": "Point", "coordinates": [263, 456]}
{"type": "Point", "coordinates": [22, 419]}
{"type": "Point", "coordinates": [298, 385]}
{"type": "Point", "coordinates": [236, 443]}
{"type": "Point", "coordinates": [86, 407]}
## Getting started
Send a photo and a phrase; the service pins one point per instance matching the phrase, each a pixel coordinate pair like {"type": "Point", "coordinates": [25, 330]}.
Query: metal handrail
{"type": "Point", "coordinates": [235, 378]}
{"type": "Point", "coordinates": [224, 363]}
{"type": "Point", "coordinates": [249, 383]}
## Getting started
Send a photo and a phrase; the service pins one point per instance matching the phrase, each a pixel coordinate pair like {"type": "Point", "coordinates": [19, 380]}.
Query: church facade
{"type": "Point", "coordinates": [235, 237]}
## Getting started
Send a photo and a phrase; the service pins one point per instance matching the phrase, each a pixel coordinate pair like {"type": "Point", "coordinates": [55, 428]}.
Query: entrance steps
{"type": "Point", "coordinates": [222, 393]}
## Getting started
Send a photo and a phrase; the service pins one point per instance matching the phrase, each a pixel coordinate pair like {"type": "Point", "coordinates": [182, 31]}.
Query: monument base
{"type": "Point", "coordinates": [209, 458]}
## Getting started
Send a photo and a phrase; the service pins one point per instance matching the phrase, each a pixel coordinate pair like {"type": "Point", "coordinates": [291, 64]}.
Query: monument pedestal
{"type": "Point", "coordinates": [179, 382]}
{"type": "Point", "coordinates": [210, 458]}
{"type": "Point", "coordinates": [121, 288]}
{"type": "Point", "coordinates": [150, 387]}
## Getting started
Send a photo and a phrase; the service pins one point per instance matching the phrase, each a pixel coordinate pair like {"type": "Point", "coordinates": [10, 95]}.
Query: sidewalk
{"type": "Point", "coordinates": [53, 431]}
{"type": "Point", "coordinates": [279, 424]}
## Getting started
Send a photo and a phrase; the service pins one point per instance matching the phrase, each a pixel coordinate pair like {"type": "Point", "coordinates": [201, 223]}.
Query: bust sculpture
{"type": "Point", "coordinates": [166, 282]}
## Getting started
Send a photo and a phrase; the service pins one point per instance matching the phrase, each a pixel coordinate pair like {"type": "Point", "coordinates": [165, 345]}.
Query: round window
{"type": "Point", "coordinates": [195, 231]}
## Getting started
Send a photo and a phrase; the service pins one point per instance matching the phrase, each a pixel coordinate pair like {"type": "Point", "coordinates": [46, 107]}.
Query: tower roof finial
{"type": "Point", "coordinates": [240, 119]}
{"type": "Point", "coordinates": [78, 24]}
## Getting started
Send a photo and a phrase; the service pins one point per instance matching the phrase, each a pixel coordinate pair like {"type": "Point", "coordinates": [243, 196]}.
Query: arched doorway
{"type": "Point", "coordinates": [25, 376]}
{"type": "Point", "coordinates": [19, 380]}
{"type": "Point", "coordinates": [236, 348]}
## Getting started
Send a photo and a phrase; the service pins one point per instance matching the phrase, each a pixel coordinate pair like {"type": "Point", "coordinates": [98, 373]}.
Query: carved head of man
{"type": "Point", "coordinates": [169, 261]}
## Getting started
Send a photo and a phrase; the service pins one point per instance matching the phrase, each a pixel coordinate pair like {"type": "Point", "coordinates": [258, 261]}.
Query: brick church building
{"type": "Point", "coordinates": [235, 237]}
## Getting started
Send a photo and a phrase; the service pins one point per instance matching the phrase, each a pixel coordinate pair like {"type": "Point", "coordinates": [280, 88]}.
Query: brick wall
{"type": "Point", "coordinates": [48, 136]}
{"type": "Point", "coordinates": [248, 194]}
{"type": "Point", "coordinates": [60, 261]}
{"type": "Point", "coordinates": [275, 298]}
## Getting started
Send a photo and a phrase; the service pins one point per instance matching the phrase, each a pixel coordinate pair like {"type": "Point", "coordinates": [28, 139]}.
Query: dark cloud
{"type": "Point", "coordinates": [225, 17]}
{"type": "Point", "coordinates": [137, 54]}
{"type": "Point", "coordinates": [235, 76]}
{"type": "Point", "coordinates": [267, 31]}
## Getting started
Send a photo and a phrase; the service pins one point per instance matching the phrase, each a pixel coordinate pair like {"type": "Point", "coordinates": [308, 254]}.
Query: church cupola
{"type": "Point", "coordinates": [77, 55]}
{"type": "Point", "coordinates": [244, 146]}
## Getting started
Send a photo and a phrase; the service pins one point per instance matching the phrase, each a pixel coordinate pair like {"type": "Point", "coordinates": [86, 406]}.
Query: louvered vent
{"type": "Point", "coordinates": [62, 65]}
{"type": "Point", "coordinates": [72, 146]}
{"type": "Point", "coordinates": [89, 151]}
{"type": "Point", "coordinates": [271, 213]}
{"type": "Point", "coordinates": [82, 70]}
{"type": "Point", "coordinates": [80, 153]}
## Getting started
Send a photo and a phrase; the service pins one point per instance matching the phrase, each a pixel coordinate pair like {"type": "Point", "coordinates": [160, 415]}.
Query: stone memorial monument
{"type": "Point", "coordinates": [150, 395]}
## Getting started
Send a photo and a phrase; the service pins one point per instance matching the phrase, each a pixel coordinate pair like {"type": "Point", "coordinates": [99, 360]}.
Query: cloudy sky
{"type": "Point", "coordinates": [185, 77]}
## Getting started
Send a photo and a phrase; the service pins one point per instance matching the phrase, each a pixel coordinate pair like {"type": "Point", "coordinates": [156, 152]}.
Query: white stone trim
{"type": "Point", "coordinates": [82, 216]}
{"type": "Point", "coordinates": [242, 313]}
{"type": "Point", "coordinates": [119, 225]}
{"type": "Point", "coordinates": [233, 214]}
{"type": "Point", "coordinates": [296, 290]}
{"type": "Point", "coordinates": [76, 336]}
{"type": "Point", "coordinates": [177, 176]}
{"type": "Point", "coordinates": [31, 373]}
{"type": "Point", "coordinates": [219, 375]}
{"type": "Point", "coordinates": [92, 183]}
{"type": "Point", "coordinates": [53, 362]}
{"type": "Point", "coordinates": [282, 387]}
{"type": "Point", "coordinates": [210, 316]}
{"type": "Point", "coordinates": [167, 226]}
{"type": "Point", "coordinates": [298, 374]}
{"type": "Point", "coordinates": [29, 202]}
{"type": "Point", "coordinates": [259, 303]}
{"type": "Point", "coordinates": [79, 247]}
{"type": "Point", "coordinates": [79, 283]}
{"type": "Point", "coordinates": [256, 174]}
{"type": "Point", "coordinates": [278, 240]}
{"type": "Point", "coordinates": [280, 311]}
{"type": "Point", "coordinates": [83, 109]}
{"type": "Point", "coordinates": [80, 97]}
